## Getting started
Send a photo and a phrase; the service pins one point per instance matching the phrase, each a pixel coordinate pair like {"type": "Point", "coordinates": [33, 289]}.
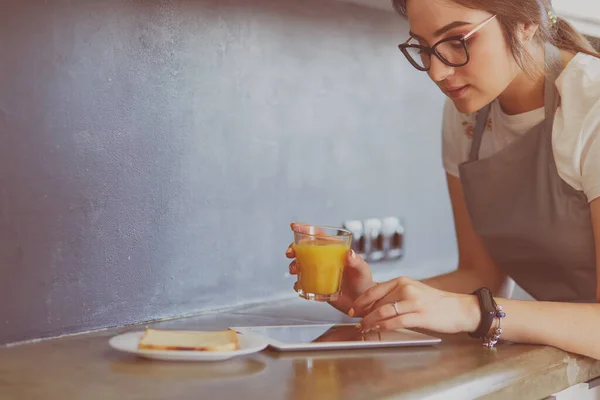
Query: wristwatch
{"type": "Point", "coordinates": [487, 307]}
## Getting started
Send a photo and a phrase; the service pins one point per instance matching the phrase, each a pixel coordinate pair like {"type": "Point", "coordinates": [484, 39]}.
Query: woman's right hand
{"type": "Point", "coordinates": [356, 280]}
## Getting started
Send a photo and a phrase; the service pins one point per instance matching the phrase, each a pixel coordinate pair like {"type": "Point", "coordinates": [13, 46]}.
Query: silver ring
{"type": "Point", "coordinates": [395, 304]}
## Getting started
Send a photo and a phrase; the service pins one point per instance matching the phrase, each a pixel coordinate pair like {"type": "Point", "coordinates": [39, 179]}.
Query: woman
{"type": "Point", "coordinates": [521, 149]}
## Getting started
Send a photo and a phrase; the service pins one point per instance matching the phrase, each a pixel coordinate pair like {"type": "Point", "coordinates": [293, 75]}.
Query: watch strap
{"type": "Point", "coordinates": [487, 306]}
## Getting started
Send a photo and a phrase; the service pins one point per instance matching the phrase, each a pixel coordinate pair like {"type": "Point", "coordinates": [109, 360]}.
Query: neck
{"type": "Point", "coordinates": [522, 95]}
{"type": "Point", "coordinates": [525, 93]}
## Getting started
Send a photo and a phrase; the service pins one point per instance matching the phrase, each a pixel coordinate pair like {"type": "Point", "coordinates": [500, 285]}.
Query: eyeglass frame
{"type": "Point", "coordinates": [433, 49]}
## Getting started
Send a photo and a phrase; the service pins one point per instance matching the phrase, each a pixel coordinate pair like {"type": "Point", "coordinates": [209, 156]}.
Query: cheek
{"type": "Point", "coordinates": [493, 67]}
{"type": "Point", "coordinates": [490, 70]}
{"type": "Point", "coordinates": [488, 79]}
{"type": "Point", "coordinates": [490, 73]}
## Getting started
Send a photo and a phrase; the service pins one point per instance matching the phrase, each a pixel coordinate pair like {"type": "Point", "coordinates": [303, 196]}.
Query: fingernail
{"type": "Point", "coordinates": [351, 312]}
{"type": "Point", "coordinates": [352, 255]}
{"type": "Point", "coordinates": [377, 327]}
{"type": "Point", "coordinates": [288, 251]}
{"type": "Point", "coordinates": [358, 326]}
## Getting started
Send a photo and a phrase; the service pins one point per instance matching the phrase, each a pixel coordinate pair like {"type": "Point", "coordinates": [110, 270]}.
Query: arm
{"type": "Point", "coordinates": [571, 327]}
{"type": "Point", "coordinates": [568, 326]}
{"type": "Point", "coordinates": [475, 267]}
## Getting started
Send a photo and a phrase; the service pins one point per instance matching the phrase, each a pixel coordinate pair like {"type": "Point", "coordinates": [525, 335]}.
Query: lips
{"type": "Point", "coordinates": [456, 91]}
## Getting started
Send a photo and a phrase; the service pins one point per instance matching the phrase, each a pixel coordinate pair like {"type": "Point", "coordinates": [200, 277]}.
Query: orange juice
{"type": "Point", "coordinates": [321, 264]}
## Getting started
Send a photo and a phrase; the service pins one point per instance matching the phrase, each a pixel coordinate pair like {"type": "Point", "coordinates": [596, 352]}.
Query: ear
{"type": "Point", "coordinates": [527, 31]}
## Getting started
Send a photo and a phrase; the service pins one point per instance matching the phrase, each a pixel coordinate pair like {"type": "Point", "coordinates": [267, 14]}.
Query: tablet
{"type": "Point", "coordinates": [335, 336]}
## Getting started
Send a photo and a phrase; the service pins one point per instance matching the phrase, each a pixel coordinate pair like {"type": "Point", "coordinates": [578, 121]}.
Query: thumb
{"type": "Point", "coordinates": [357, 275]}
{"type": "Point", "coordinates": [357, 265]}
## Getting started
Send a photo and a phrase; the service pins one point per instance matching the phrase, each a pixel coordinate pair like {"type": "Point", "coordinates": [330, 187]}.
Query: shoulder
{"type": "Point", "coordinates": [576, 139]}
{"type": "Point", "coordinates": [579, 84]}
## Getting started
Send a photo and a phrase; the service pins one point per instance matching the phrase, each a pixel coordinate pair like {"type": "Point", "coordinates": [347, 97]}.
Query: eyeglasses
{"type": "Point", "coordinates": [452, 50]}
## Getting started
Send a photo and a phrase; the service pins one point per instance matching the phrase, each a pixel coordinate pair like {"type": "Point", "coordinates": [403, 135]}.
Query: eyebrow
{"type": "Point", "coordinates": [444, 29]}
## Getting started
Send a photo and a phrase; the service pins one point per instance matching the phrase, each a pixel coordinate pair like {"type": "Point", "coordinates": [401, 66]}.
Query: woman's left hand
{"type": "Point", "coordinates": [417, 305]}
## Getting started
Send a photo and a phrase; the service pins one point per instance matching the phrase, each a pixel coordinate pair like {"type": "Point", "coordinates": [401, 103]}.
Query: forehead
{"type": "Point", "coordinates": [427, 16]}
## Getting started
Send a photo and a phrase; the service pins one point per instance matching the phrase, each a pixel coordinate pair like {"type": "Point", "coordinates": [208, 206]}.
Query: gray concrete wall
{"type": "Point", "coordinates": [153, 153]}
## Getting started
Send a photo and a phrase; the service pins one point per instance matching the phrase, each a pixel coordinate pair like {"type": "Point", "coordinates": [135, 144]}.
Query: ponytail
{"type": "Point", "coordinates": [565, 37]}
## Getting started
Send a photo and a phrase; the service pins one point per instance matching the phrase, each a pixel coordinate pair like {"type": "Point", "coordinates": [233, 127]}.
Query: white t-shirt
{"type": "Point", "coordinates": [575, 136]}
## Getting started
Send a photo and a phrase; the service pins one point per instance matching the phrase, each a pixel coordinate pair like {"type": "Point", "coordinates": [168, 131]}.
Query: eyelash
{"type": "Point", "coordinates": [471, 37]}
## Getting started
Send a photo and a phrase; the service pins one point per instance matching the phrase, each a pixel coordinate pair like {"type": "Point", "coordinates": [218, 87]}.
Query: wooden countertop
{"type": "Point", "coordinates": [85, 367]}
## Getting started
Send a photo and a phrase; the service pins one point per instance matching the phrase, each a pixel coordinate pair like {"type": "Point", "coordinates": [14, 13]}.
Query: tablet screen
{"type": "Point", "coordinates": [304, 334]}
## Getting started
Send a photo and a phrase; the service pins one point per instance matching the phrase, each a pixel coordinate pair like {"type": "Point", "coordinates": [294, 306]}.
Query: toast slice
{"type": "Point", "coordinates": [156, 339]}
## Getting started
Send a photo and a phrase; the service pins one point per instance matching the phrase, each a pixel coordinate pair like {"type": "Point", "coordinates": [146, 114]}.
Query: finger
{"type": "Point", "coordinates": [387, 311]}
{"type": "Point", "coordinates": [399, 294]}
{"type": "Point", "coordinates": [374, 293]}
{"type": "Point", "coordinates": [296, 286]}
{"type": "Point", "coordinates": [291, 251]}
{"type": "Point", "coordinates": [357, 270]}
{"type": "Point", "coordinates": [404, 321]}
{"type": "Point", "coordinates": [307, 233]}
{"type": "Point", "coordinates": [293, 267]}
{"type": "Point", "coordinates": [356, 263]}
{"type": "Point", "coordinates": [343, 304]}
{"type": "Point", "coordinates": [375, 296]}
{"type": "Point", "coordinates": [315, 231]}
{"type": "Point", "coordinates": [307, 229]}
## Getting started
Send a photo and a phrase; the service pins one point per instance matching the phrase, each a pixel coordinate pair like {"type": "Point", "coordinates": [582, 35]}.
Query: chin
{"type": "Point", "coordinates": [467, 106]}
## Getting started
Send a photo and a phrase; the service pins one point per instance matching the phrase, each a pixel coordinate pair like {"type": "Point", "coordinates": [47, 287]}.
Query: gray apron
{"type": "Point", "coordinates": [534, 225]}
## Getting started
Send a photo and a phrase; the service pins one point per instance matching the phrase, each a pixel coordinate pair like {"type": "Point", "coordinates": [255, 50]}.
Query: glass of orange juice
{"type": "Point", "coordinates": [321, 256]}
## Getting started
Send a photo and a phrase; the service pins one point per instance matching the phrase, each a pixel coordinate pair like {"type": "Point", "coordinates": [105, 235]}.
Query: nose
{"type": "Point", "coordinates": [438, 71]}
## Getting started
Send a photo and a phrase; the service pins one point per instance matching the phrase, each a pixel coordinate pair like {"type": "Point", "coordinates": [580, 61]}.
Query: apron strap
{"type": "Point", "coordinates": [551, 101]}
{"type": "Point", "coordinates": [552, 97]}
{"type": "Point", "coordinates": [482, 116]}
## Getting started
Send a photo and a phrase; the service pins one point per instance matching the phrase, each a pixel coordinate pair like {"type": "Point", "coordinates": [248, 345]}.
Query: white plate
{"type": "Point", "coordinates": [128, 342]}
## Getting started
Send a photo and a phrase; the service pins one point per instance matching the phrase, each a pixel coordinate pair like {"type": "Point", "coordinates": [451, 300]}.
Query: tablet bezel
{"type": "Point", "coordinates": [420, 339]}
